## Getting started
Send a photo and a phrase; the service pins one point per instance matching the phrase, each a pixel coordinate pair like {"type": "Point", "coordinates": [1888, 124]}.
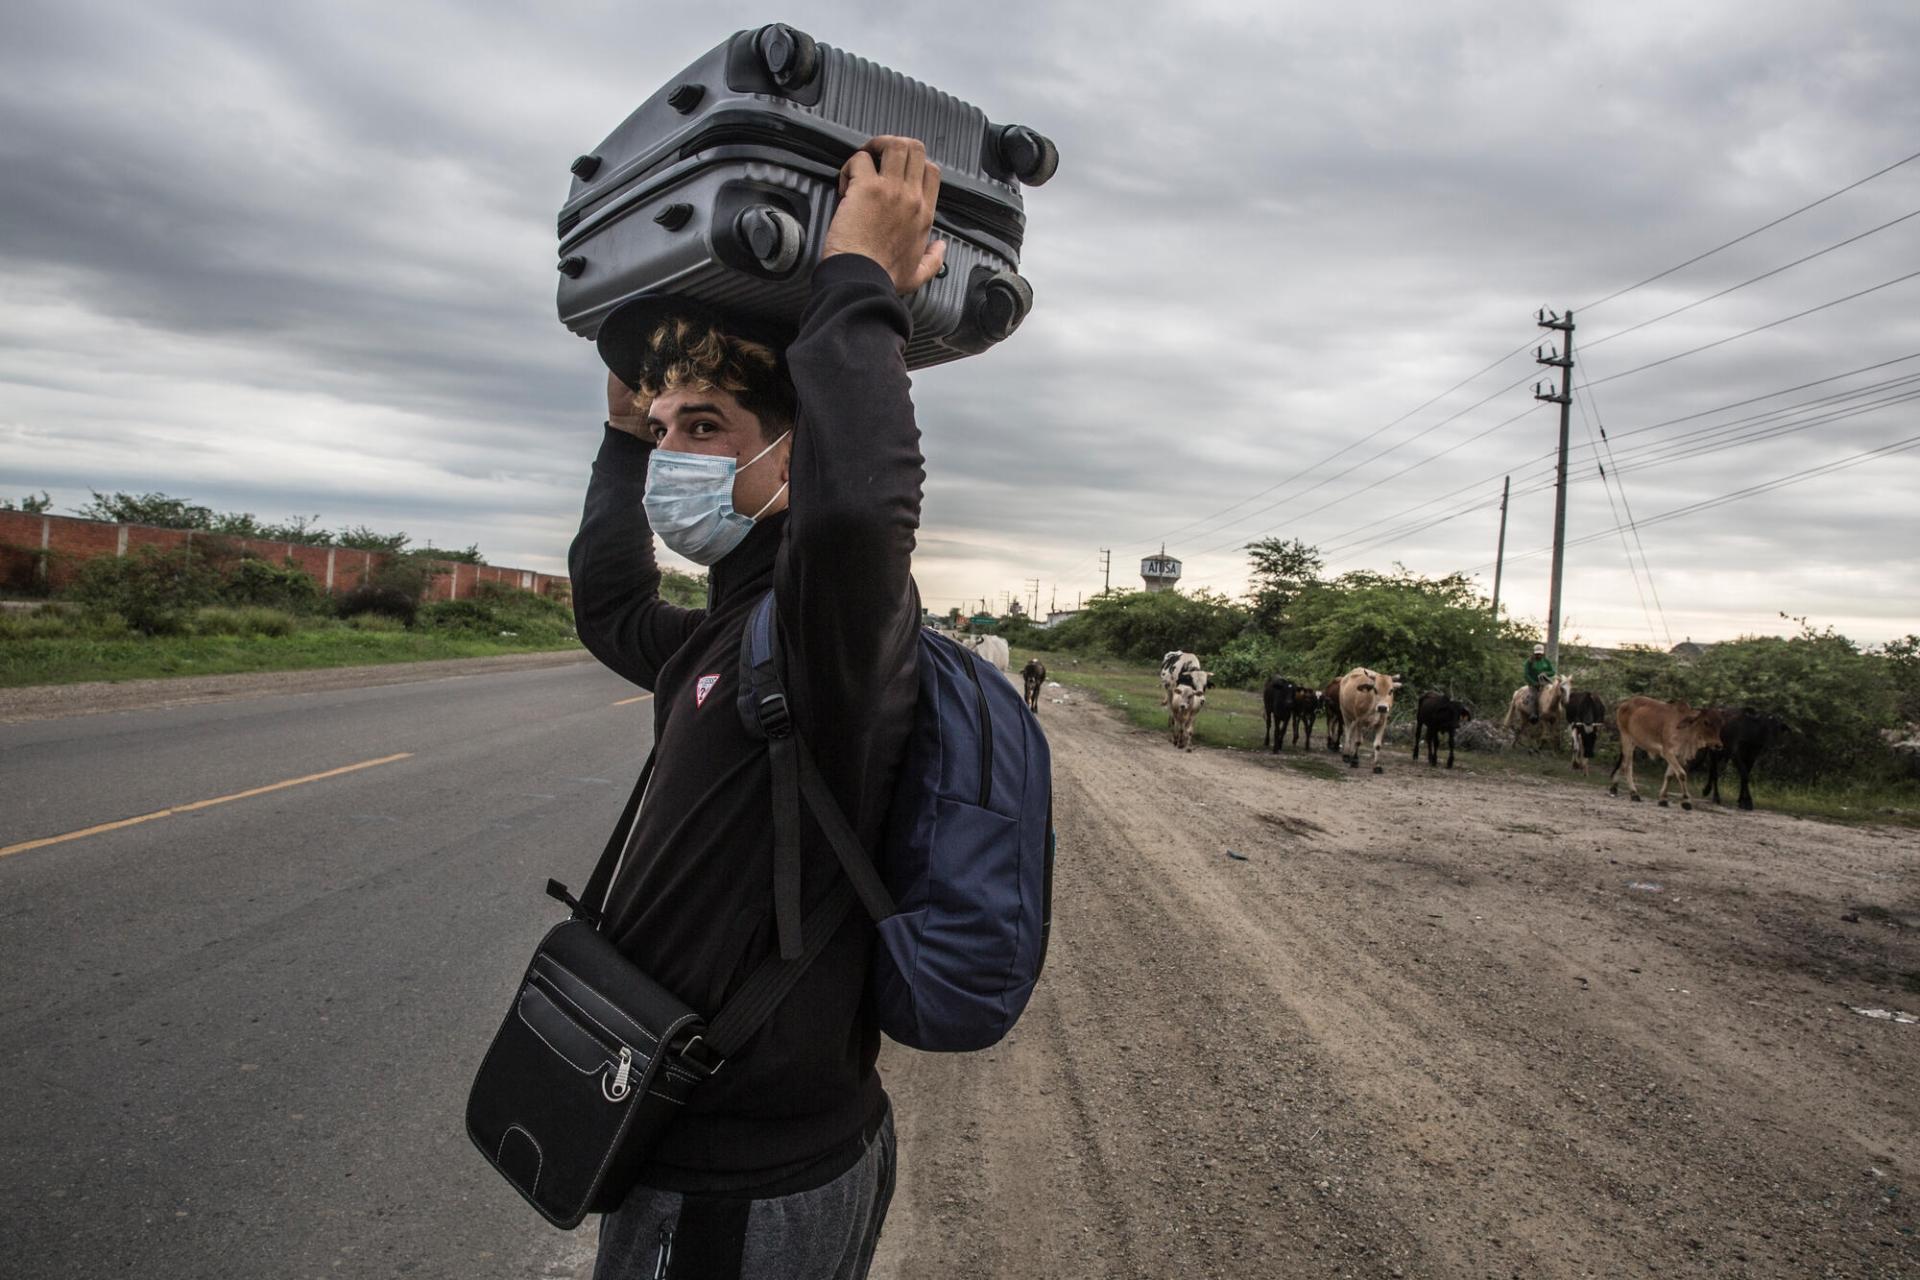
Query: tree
{"type": "Point", "coordinates": [1281, 571]}
{"type": "Point", "coordinates": [146, 508]}
{"type": "Point", "coordinates": [30, 504]}
{"type": "Point", "coordinates": [361, 538]}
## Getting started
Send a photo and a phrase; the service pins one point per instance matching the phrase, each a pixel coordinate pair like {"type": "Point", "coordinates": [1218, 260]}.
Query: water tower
{"type": "Point", "coordinates": [1160, 572]}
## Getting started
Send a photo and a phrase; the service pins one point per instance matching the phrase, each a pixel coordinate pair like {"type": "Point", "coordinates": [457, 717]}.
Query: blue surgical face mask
{"type": "Point", "coordinates": [689, 502]}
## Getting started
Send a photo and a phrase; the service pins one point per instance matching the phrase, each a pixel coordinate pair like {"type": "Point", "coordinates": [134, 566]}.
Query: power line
{"type": "Point", "coordinates": [1701, 257]}
{"type": "Point", "coordinates": [1586, 386]}
{"type": "Point", "coordinates": [1368, 532]}
{"type": "Point", "coordinates": [1327, 480]}
{"type": "Point", "coordinates": [1764, 275]}
{"type": "Point", "coordinates": [1645, 564]}
{"type": "Point", "coordinates": [1747, 333]}
{"type": "Point", "coordinates": [1779, 482]}
{"type": "Point", "coordinates": [1369, 542]}
{"type": "Point", "coordinates": [1352, 446]}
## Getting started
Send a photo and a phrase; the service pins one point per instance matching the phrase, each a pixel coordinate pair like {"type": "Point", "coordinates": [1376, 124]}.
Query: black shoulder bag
{"type": "Point", "coordinates": [594, 1057]}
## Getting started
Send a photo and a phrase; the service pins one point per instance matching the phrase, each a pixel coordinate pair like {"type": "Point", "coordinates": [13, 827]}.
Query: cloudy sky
{"type": "Point", "coordinates": [298, 259]}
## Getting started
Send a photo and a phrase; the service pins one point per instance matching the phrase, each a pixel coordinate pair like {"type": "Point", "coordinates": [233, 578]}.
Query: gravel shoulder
{"type": "Point", "coordinates": [47, 702]}
{"type": "Point", "coordinates": [1435, 1024]}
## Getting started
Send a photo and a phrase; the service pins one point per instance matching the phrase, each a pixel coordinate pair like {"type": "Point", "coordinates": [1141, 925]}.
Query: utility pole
{"type": "Point", "coordinates": [1500, 553]}
{"type": "Point", "coordinates": [1033, 597]}
{"type": "Point", "coordinates": [1106, 565]}
{"type": "Point", "coordinates": [1563, 359]}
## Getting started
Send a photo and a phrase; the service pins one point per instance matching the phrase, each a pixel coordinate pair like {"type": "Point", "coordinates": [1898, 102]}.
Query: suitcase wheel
{"type": "Point", "coordinates": [585, 167]}
{"type": "Point", "coordinates": [771, 236]}
{"type": "Point", "coordinates": [997, 303]}
{"type": "Point", "coordinates": [686, 97]}
{"type": "Point", "coordinates": [572, 266]}
{"type": "Point", "coordinates": [791, 58]}
{"type": "Point", "coordinates": [1028, 156]}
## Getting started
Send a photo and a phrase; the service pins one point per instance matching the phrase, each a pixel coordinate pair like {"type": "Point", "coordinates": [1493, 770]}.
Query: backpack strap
{"type": "Point", "coordinates": [767, 715]}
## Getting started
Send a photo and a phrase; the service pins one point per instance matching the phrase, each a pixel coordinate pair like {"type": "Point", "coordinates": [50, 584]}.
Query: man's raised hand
{"type": "Point", "coordinates": [887, 194]}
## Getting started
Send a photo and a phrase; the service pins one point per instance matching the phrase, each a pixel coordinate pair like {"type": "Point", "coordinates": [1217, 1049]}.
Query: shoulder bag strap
{"type": "Point", "coordinates": [591, 905]}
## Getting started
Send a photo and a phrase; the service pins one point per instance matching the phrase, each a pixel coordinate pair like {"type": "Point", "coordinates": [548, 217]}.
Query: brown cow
{"type": "Point", "coordinates": [1366, 702]}
{"type": "Point", "coordinates": [1672, 731]}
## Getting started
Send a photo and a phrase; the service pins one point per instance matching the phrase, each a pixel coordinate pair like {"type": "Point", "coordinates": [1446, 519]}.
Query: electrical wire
{"type": "Point", "coordinates": [1747, 333]}
{"type": "Point", "coordinates": [1369, 531]}
{"type": "Point", "coordinates": [1348, 448]}
{"type": "Point", "coordinates": [1737, 495]}
{"type": "Point", "coordinates": [1767, 226]}
{"type": "Point", "coordinates": [1735, 288]}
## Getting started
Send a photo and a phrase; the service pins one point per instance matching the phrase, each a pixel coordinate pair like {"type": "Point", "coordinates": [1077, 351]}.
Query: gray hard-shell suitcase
{"type": "Point", "coordinates": [720, 187]}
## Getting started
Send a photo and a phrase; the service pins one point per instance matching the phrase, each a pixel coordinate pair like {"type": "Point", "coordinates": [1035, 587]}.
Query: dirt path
{"type": "Point", "coordinates": [1433, 1025]}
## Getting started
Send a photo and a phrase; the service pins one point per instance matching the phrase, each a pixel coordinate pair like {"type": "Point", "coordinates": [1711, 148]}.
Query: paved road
{"type": "Point", "coordinates": [237, 1040]}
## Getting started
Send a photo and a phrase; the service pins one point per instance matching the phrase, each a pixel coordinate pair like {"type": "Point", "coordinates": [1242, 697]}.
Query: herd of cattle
{"type": "Point", "coordinates": [1358, 706]}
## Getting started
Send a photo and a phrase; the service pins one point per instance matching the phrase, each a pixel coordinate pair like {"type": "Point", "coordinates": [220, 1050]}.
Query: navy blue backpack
{"type": "Point", "coordinates": [962, 895]}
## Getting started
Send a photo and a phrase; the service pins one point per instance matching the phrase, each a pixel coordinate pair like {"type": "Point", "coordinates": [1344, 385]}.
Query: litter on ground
{"type": "Point", "coordinates": [1885, 1015]}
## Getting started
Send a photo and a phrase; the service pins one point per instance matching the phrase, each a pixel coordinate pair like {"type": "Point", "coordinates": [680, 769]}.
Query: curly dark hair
{"type": "Point", "coordinates": [688, 353]}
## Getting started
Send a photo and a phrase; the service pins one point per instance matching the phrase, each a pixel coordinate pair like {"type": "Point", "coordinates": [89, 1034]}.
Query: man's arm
{"type": "Point", "coordinates": [617, 607]}
{"type": "Point", "coordinates": [848, 608]}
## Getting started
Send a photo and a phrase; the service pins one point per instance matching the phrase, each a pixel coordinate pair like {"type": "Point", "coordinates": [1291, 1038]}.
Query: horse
{"type": "Point", "coordinates": [1553, 706]}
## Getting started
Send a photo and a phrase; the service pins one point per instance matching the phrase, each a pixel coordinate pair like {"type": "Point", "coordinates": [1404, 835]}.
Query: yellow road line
{"type": "Point", "coordinates": [200, 804]}
{"type": "Point", "coordinates": [624, 702]}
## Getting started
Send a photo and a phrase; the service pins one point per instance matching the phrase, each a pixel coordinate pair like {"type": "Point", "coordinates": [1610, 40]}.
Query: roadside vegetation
{"type": "Point", "coordinates": [205, 612]}
{"type": "Point", "coordinates": [1842, 700]}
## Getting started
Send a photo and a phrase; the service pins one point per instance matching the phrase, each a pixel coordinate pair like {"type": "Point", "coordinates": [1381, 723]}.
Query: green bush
{"type": "Point", "coordinates": [252, 581]}
{"type": "Point", "coordinates": [385, 601]}
{"type": "Point", "coordinates": [1246, 661]}
{"type": "Point", "coordinates": [253, 620]}
{"type": "Point", "coordinates": [1434, 633]}
{"type": "Point", "coordinates": [1144, 625]}
{"type": "Point", "coordinates": [461, 615]}
{"type": "Point", "coordinates": [61, 622]}
{"type": "Point", "coordinates": [1835, 698]}
{"type": "Point", "coordinates": [375, 622]}
{"type": "Point", "coordinates": [155, 591]}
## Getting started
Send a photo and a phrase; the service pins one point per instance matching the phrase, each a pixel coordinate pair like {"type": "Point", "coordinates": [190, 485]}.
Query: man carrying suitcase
{"type": "Point", "coordinates": [794, 466]}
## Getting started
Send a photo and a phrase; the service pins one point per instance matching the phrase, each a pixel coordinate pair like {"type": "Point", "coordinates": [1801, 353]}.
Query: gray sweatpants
{"type": "Point", "coordinates": [828, 1233]}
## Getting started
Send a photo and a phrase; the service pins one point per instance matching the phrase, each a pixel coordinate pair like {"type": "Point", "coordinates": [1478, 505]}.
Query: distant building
{"type": "Point", "coordinates": [1059, 616]}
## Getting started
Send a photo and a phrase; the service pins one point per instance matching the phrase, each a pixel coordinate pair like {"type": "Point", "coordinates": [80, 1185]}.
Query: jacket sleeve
{"type": "Point", "coordinates": [617, 607]}
{"type": "Point", "coordinates": [849, 612]}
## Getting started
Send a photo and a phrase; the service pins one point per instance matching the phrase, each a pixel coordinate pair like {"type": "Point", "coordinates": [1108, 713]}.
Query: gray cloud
{"type": "Point", "coordinates": [299, 258]}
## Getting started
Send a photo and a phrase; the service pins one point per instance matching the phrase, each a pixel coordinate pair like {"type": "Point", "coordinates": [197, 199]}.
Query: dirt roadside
{"type": "Point", "coordinates": [1435, 1024]}
{"type": "Point", "coordinates": [50, 701]}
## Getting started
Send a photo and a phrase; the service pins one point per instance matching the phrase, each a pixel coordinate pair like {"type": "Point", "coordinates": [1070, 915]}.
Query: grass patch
{"type": "Point", "coordinates": [1233, 721]}
{"type": "Point", "coordinates": [126, 655]}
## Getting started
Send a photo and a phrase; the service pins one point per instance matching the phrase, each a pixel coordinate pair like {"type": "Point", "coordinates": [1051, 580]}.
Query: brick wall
{"type": "Point", "coordinates": [39, 552]}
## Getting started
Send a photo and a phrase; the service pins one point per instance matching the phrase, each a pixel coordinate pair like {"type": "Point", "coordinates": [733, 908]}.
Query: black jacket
{"type": "Point", "coordinates": [692, 904]}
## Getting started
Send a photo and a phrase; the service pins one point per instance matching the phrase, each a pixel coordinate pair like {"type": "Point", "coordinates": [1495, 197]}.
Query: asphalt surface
{"type": "Point", "coordinates": [236, 1040]}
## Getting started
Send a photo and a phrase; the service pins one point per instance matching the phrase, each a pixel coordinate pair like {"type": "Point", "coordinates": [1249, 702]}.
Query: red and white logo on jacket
{"type": "Point", "coordinates": [703, 688]}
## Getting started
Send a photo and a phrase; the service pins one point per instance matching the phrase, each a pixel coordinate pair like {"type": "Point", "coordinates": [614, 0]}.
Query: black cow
{"type": "Point", "coordinates": [1438, 714]}
{"type": "Point", "coordinates": [1336, 725]}
{"type": "Point", "coordinates": [1586, 712]}
{"type": "Point", "coordinates": [1034, 677]}
{"type": "Point", "coordinates": [1278, 698]}
{"type": "Point", "coordinates": [1744, 734]}
{"type": "Point", "coordinates": [1306, 705]}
